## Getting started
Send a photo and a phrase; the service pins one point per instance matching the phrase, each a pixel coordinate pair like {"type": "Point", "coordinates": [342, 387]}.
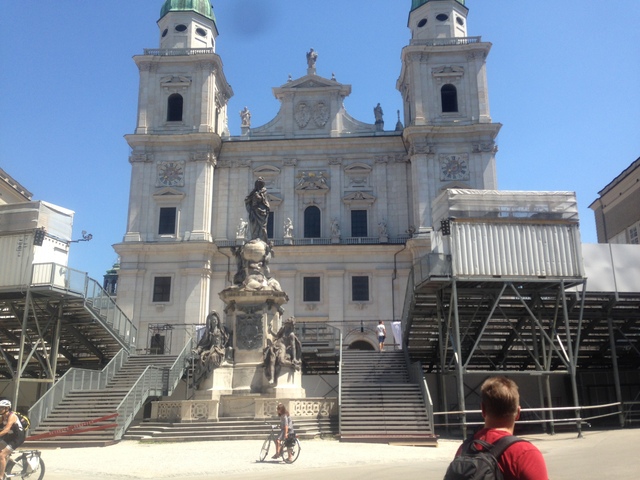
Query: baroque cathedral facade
{"type": "Point", "coordinates": [350, 201]}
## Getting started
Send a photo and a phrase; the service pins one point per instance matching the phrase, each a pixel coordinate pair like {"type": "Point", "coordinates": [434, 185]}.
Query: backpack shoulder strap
{"type": "Point", "coordinates": [498, 448]}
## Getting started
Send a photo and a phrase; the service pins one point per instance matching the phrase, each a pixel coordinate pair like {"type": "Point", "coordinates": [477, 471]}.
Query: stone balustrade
{"type": "Point", "coordinates": [261, 408]}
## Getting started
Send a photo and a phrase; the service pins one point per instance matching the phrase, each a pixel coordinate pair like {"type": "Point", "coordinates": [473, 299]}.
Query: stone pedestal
{"type": "Point", "coordinates": [251, 315]}
{"type": "Point", "coordinates": [254, 317]}
{"type": "Point", "coordinates": [287, 385]}
{"type": "Point", "coordinates": [220, 382]}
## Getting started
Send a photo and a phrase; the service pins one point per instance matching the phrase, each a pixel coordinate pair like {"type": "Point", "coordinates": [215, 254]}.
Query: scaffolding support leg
{"type": "Point", "coordinates": [573, 359]}
{"type": "Point", "coordinates": [552, 426]}
{"type": "Point", "coordinates": [19, 370]}
{"type": "Point", "coordinates": [616, 372]}
{"type": "Point", "coordinates": [459, 360]}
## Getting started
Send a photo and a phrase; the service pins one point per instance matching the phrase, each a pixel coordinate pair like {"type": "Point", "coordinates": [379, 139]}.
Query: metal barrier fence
{"type": "Point", "coordinates": [557, 416]}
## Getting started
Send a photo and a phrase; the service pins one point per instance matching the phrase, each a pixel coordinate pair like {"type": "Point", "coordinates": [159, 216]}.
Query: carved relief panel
{"type": "Point", "coordinates": [316, 181]}
{"type": "Point", "coordinates": [270, 175]}
{"type": "Point", "coordinates": [312, 113]}
{"type": "Point", "coordinates": [358, 176]}
{"type": "Point", "coordinates": [249, 331]}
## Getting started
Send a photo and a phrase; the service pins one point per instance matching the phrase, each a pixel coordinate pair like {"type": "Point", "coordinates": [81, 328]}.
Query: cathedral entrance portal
{"type": "Point", "coordinates": [361, 345]}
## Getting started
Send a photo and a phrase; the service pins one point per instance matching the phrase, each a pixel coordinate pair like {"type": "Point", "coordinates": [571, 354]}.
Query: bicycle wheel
{"type": "Point", "coordinates": [23, 468]}
{"type": "Point", "coordinates": [294, 450]}
{"type": "Point", "coordinates": [264, 451]}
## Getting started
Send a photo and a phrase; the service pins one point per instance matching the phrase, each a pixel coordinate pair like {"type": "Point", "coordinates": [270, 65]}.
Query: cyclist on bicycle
{"type": "Point", "coordinates": [12, 434]}
{"type": "Point", "coordinates": [286, 430]}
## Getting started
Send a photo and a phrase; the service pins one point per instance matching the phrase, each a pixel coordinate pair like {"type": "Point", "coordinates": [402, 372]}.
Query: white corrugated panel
{"type": "Point", "coordinates": [516, 249]}
{"type": "Point", "coordinates": [20, 217]}
{"type": "Point", "coordinates": [16, 257]}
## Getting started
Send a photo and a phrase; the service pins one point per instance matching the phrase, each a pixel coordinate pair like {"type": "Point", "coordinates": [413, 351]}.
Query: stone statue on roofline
{"type": "Point", "coordinates": [245, 117]}
{"type": "Point", "coordinates": [312, 57]}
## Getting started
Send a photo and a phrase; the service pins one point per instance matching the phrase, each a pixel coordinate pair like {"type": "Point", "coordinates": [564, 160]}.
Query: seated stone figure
{"type": "Point", "coordinates": [211, 350]}
{"type": "Point", "coordinates": [284, 350]}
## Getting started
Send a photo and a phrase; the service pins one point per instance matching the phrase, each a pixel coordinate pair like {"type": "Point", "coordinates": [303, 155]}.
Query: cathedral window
{"type": "Point", "coordinates": [449, 96]}
{"type": "Point", "coordinates": [359, 223]}
{"type": "Point", "coordinates": [162, 289]}
{"type": "Point", "coordinates": [311, 289]}
{"type": "Point", "coordinates": [270, 225]}
{"type": "Point", "coordinates": [167, 223]}
{"type": "Point", "coordinates": [360, 289]}
{"type": "Point", "coordinates": [174, 108]}
{"type": "Point", "coordinates": [312, 222]}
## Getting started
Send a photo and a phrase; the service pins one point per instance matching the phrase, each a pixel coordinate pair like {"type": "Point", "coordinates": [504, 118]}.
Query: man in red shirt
{"type": "Point", "coordinates": [500, 404]}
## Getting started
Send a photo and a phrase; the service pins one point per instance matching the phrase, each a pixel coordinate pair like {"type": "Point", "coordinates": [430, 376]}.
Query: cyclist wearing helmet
{"type": "Point", "coordinates": [12, 434]}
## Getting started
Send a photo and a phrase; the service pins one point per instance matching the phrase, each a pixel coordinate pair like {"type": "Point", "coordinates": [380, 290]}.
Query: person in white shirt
{"type": "Point", "coordinates": [382, 334]}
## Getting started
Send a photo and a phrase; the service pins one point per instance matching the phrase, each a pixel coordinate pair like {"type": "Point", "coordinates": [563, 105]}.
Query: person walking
{"type": "Point", "coordinates": [382, 334]}
{"type": "Point", "coordinates": [286, 431]}
{"type": "Point", "coordinates": [500, 406]}
{"type": "Point", "coordinates": [12, 434]}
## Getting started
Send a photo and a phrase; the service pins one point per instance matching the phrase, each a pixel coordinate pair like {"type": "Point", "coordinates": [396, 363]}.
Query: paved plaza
{"type": "Point", "coordinates": [600, 454]}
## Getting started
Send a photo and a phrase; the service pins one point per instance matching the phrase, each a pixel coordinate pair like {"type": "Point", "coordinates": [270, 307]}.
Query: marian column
{"type": "Point", "coordinates": [266, 352]}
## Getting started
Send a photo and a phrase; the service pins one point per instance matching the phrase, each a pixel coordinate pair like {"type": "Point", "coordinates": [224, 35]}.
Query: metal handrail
{"type": "Point", "coordinates": [149, 384]}
{"type": "Point", "coordinates": [177, 368]}
{"type": "Point", "coordinates": [278, 242]}
{"type": "Point", "coordinates": [97, 301]}
{"type": "Point", "coordinates": [416, 376]}
{"type": "Point", "coordinates": [340, 387]}
{"type": "Point", "coordinates": [177, 52]}
{"type": "Point", "coordinates": [153, 381]}
{"type": "Point", "coordinates": [444, 42]}
{"type": "Point", "coordinates": [75, 379]}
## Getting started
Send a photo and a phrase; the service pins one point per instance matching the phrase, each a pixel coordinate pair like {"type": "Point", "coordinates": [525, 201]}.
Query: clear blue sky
{"type": "Point", "coordinates": [564, 80]}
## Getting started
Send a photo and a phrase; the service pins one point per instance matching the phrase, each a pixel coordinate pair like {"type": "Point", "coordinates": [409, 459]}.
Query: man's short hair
{"type": "Point", "coordinates": [500, 397]}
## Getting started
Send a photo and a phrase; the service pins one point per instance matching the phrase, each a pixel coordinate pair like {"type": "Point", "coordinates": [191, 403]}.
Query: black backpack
{"type": "Point", "coordinates": [474, 464]}
{"type": "Point", "coordinates": [23, 420]}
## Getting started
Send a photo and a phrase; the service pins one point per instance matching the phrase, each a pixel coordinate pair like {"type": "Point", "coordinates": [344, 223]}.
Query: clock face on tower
{"type": "Point", "coordinates": [171, 174]}
{"type": "Point", "coordinates": [454, 167]}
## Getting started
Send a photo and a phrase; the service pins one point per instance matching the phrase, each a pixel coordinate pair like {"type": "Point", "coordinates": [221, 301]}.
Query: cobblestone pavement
{"type": "Point", "coordinates": [600, 454]}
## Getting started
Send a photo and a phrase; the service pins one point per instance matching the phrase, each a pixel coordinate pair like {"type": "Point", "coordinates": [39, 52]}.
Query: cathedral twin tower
{"type": "Point", "coordinates": [347, 224]}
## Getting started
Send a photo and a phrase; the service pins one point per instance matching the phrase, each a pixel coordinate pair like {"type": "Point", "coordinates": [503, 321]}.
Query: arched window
{"type": "Point", "coordinates": [312, 222]}
{"type": "Point", "coordinates": [174, 108]}
{"type": "Point", "coordinates": [449, 96]}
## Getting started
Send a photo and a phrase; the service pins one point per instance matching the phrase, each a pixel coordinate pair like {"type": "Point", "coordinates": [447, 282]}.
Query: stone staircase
{"type": "Point", "coordinates": [379, 404]}
{"type": "Point", "coordinates": [86, 405]}
{"type": "Point", "coordinates": [231, 428]}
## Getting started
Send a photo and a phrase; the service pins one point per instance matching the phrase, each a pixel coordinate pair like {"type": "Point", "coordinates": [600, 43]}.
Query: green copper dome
{"type": "Point", "coordinates": [417, 3]}
{"type": "Point", "coordinates": [203, 7]}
